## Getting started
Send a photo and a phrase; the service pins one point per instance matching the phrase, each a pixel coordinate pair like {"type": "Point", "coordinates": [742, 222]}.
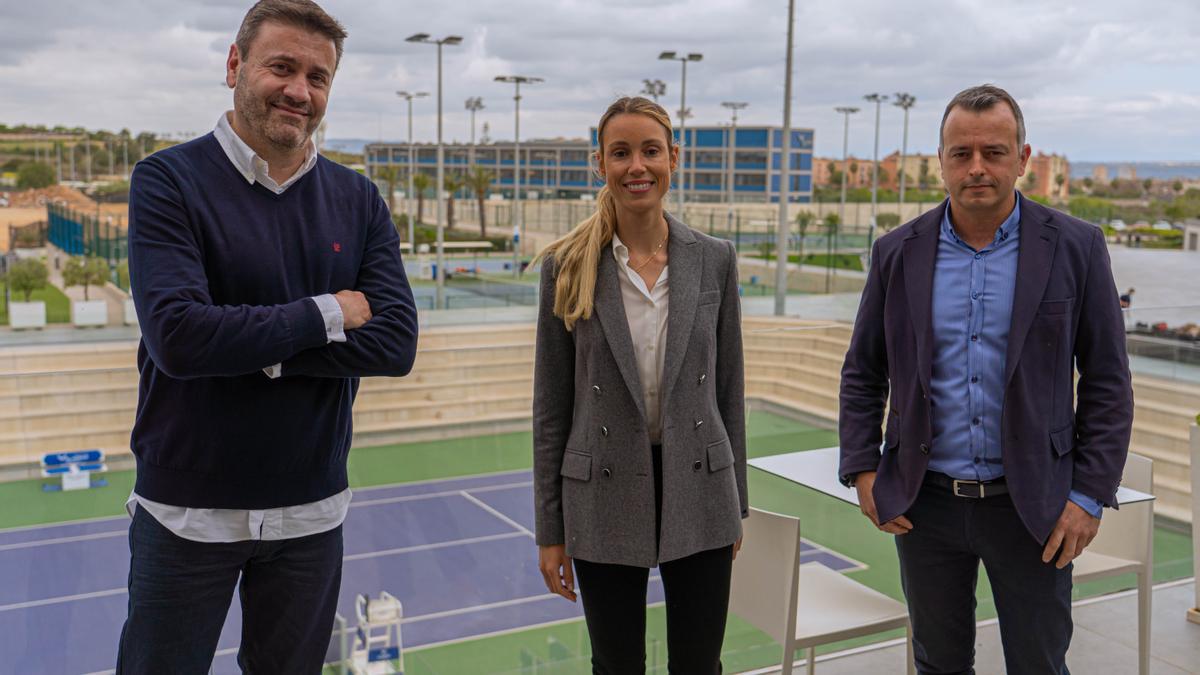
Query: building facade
{"type": "Point", "coordinates": [560, 168]}
{"type": "Point", "coordinates": [1042, 174]}
{"type": "Point", "coordinates": [922, 171]}
{"type": "Point", "coordinates": [1047, 176]}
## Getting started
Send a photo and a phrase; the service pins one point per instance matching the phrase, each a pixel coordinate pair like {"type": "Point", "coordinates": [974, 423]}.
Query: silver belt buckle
{"type": "Point", "coordinates": [972, 483]}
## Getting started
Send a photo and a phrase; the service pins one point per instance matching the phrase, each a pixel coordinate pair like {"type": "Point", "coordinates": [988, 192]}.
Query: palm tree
{"type": "Point", "coordinates": [388, 175]}
{"type": "Point", "coordinates": [452, 183]}
{"type": "Point", "coordinates": [803, 220]}
{"type": "Point", "coordinates": [421, 184]}
{"type": "Point", "coordinates": [479, 180]}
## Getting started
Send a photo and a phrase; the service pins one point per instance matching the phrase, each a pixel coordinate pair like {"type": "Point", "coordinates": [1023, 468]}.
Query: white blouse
{"type": "Point", "coordinates": [646, 312]}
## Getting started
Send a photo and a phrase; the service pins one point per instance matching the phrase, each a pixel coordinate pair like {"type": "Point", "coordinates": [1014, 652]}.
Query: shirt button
{"type": "Point", "coordinates": [699, 423]}
{"type": "Point", "coordinates": [697, 465]}
{"type": "Point", "coordinates": [974, 378]}
{"type": "Point", "coordinates": [974, 338]}
{"type": "Point", "coordinates": [976, 460]}
{"type": "Point", "coordinates": [604, 431]}
{"type": "Point", "coordinates": [974, 296]}
{"type": "Point", "coordinates": [975, 421]}
{"type": "Point", "coordinates": [596, 388]}
{"type": "Point", "coordinates": [703, 377]}
{"type": "Point", "coordinates": [978, 256]}
{"type": "Point", "coordinates": [924, 449]}
{"type": "Point", "coordinates": [607, 473]}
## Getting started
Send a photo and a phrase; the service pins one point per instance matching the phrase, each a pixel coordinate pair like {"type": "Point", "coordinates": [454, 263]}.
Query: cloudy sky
{"type": "Point", "coordinates": [1098, 79]}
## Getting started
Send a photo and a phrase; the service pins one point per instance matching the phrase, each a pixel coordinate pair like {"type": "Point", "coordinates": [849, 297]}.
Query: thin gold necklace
{"type": "Point", "coordinates": [658, 248]}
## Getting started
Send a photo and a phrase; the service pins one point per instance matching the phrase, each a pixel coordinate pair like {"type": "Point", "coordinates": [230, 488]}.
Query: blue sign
{"type": "Point", "coordinates": [61, 458]}
{"type": "Point", "coordinates": [383, 654]}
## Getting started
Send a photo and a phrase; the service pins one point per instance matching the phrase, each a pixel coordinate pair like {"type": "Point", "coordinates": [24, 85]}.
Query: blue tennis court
{"type": "Point", "coordinates": [458, 553]}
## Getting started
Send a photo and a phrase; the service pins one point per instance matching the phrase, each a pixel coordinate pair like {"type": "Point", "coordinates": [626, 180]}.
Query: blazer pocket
{"type": "Point", "coordinates": [1055, 307]}
{"type": "Point", "coordinates": [576, 465]}
{"type": "Point", "coordinates": [708, 298]}
{"type": "Point", "coordinates": [1063, 440]}
{"type": "Point", "coordinates": [720, 455]}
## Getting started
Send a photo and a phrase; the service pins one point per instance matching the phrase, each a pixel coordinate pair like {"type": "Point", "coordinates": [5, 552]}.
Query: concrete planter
{"type": "Point", "coordinates": [130, 313]}
{"type": "Point", "coordinates": [87, 313]}
{"type": "Point", "coordinates": [27, 314]}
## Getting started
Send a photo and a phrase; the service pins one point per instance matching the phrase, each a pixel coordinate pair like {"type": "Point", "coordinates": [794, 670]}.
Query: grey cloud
{"type": "Point", "coordinates": [162, 61]}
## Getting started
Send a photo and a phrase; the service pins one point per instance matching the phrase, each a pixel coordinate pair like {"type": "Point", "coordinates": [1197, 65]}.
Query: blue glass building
{"type": "Point", "coordinates": [559, 168]}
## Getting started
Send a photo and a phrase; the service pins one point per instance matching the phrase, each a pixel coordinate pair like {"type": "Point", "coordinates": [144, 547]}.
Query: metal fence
{"type": "Point", "coordinates": [86, 234]}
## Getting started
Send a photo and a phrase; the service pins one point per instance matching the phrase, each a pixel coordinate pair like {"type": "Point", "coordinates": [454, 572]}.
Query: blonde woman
{"type": "Point", "coordinates": [639, 420]}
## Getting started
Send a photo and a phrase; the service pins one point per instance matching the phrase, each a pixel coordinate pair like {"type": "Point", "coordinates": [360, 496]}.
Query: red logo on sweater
{"type": "Point", "coordinates": [337, 247]}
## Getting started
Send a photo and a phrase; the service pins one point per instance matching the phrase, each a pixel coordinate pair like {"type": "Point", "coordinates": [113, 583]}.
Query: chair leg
{"type": "Point", "coordinates": [812, 660]}
{"type": "Point", "coordinates": [911, 666]}
{"type": "Point", "coordinates": [789, 658]}
{"type": "Point", "coordinates": [1145, 595]}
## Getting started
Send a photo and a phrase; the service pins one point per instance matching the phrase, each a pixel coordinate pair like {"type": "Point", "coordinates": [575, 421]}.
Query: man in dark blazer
{"type": "Point", "coordinates": [975, 317]}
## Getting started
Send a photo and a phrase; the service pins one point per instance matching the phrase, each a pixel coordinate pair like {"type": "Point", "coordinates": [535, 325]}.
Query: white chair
{"type": "Point", "coordinates": [1124, 545]}
{"type": "Point", "coordinates": [802, 606]}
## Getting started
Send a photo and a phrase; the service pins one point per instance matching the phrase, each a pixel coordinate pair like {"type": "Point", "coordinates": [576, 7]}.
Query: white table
{"type": "Point", "coordinates": [818, 469]}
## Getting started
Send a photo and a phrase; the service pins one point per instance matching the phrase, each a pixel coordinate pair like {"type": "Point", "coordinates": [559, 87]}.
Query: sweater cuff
{"type": "Point", "coordinates": [307, 325]}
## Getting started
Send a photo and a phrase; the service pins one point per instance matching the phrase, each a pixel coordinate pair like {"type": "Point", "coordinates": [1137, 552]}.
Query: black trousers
{"type": "Point", "coordinates": [939, 567]}
{"type": "Point", "coordinates": [180, 591]}
{"type": "Point", "coordinates": [697, 599]}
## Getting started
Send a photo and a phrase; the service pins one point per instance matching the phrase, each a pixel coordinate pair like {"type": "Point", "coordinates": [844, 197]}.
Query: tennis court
{"type": "Point", "coordinates": [449, 535]}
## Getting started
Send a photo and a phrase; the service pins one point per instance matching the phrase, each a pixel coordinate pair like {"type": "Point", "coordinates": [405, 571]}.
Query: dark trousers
{"type": "Point", "coordinates": [939, 567]}
{"type": "Point", "coordinates": [180, 591]}
{"type": "Point", "coordinates": [697, 595]}
{"type": "Point", "coordinates": [614, 605]}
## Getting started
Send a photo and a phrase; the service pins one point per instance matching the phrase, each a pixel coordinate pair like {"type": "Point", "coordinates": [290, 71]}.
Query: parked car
{"type": "Point", "coordinates": [1162, 225]}
{"type": "Point", "coordinates": [1117, 224]}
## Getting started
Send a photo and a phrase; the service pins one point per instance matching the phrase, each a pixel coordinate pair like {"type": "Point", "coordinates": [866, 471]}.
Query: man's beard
{"type": "Point", "coordinates": [257, 113]}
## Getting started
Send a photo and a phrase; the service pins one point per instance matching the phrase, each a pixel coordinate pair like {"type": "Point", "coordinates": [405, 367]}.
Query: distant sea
{"type": "Point", "coordinates": [1160, 170]}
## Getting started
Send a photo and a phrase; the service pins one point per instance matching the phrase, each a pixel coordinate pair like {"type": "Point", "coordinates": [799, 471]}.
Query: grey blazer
{"type": "Point", "coordinates": [593, 473]}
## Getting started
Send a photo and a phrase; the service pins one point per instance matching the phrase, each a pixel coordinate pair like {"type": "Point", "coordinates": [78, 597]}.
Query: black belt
{"type": "Point", "coordinates": [971, 489]}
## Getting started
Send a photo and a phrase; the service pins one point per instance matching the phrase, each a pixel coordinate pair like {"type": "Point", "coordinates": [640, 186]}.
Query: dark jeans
{"type": "Point", "coordinates": [939, 566]}
{"type": "Point", "coordinates": [697, 594]}
{"type": "Point", "coordinates": [180, 590]}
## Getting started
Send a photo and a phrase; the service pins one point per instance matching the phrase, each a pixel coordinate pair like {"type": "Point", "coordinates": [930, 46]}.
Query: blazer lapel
{"type": "Point", "coordinates": [1034, 257]}
{"type": "Point", "coordinates": [684, 261]}
{"type": "Point", "coordinates": [610, 308]}
{"type": "Point", "coordinates": [920, 254]}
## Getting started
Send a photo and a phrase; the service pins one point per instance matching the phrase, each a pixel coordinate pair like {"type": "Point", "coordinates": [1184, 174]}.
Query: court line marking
{"type": "Point", "coordinates": [28, 604]}
{"type": "Point", "coordinates": [64, 540]}
{"type": "Point", "coordinates": [494, 512]}
{"type": "Point", "coordinates": [445, 493]}
{"type": "Point", "coordinates": [383, 500]}
{"type": "Point", "coordinates": [510, 631]}
{"type": "Point", "coordinates": [427, 481]}
{"type": "Point", "coordinates": [856, 565]}
{"type": "Point", "coordinates": [62, 523]}
{"type": "Point", "coordinates": [430, 547]}
{"type": "Point", "coordinates": [375, 502]}
{"type": "Point", "coordinates": [495, 605]}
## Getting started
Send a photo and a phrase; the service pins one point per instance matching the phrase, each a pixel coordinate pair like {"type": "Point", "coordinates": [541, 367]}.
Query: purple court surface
{"type": "Point", "coordinates": [458, 553]}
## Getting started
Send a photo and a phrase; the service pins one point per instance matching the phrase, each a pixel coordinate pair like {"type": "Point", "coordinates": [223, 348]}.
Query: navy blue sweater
{"type": "Point", "coordinates": [223, 273]}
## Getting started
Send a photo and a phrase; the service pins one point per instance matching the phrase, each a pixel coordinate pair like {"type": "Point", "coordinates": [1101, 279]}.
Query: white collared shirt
{"type": "Point", "coordinates": [646, 312]}
{"type": "Point", "coordinates": [252, 167]}
{"type": "Point", "coordinates": [290, 522]}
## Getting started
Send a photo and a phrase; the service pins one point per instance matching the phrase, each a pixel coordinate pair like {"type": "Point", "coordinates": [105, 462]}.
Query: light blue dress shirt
{"type": "Point", "coordinates": [972, 311]}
